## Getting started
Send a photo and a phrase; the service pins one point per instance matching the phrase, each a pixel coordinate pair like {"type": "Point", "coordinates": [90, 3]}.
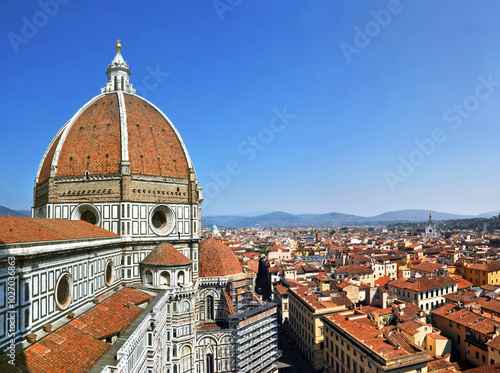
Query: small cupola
{"type": "Point", "coordinates": [118, 74]}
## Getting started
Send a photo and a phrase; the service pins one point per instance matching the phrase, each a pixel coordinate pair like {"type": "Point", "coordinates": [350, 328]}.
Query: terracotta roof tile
{"type": "Point", "coordinates": [356, 269]}
{"type": "Point", "coordinates": [462, 283]}
{"type": "Point", "coordinates": [45, 169]}
{"type": "Point", "coordinates": [93, 143]}
{"type": "Point", "coordinates": [216, 259]}
{"type": "Point", "coordinates": [78, 353]}
{"type": "Point", "coordinates": [154, 148]}
{"type": "Point", "coordinates": [275, 247]}
{"type": "Point", "coordinates": [488, 266]}
{"type": "Point", "coordinates": [382, 280]}
{"type": "Point", "coordinates": [422, 283]}
{"type": "Point", "coordinates": [95, 133]}
{"type": "Point", "coordinates": [14, 229]}
{"type": "Point", "coordinates": [76, 347]}
{"type": "Point", "coordinates": [428, 267]}
{"type": "Point", "coordinates": [112, 315]}
{"type": "Point", "coordinates": [383, 342]}
{"type": "Point", "coordinates": [165, 254]}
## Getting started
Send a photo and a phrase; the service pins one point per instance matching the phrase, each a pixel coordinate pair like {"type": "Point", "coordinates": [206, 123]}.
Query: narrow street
{"type": "Point", "coordinates": [291, 354]}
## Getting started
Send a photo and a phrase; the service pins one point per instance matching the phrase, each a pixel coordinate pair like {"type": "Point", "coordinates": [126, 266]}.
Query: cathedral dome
{"type": "Point", "coordinates": [119, 148]}
{"type": "Point", "coordinates": [216, 259]}
{"type": "Point", "coordinates": [116, 132]}
{"type": "Point", "coordinates": [112, 130]}
{"type": "Point", "coordinates": [166, 254]}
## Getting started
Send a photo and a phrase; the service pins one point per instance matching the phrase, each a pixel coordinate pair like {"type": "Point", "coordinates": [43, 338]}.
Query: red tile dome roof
{"type": "Point", "coordinates": [165, 254]}
{"type": "Point", "coordinates": [216, 259]}
{"type": "Point", "coordinates": [112, 128]}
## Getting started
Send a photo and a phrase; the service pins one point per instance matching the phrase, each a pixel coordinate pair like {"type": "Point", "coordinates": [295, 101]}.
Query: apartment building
{"type": "Point", "coordinates": [471, 332]}
{"type": "Point", "coordinates": [356, 272]}
{"type": "Point", "coordinates": [354, 343]}
{"type": "Point", "coordinates": [306, 325]}
{"type": "Point", "coordinates": [427, 292]}
{"type": "Point", "coordinates": [281, 300]}
{"type": "Point", "coordinates": [483, 273]}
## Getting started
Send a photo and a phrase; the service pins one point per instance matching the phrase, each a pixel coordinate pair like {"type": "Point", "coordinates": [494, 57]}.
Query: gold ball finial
{"type": "Point", "coordinates": [118, 45]}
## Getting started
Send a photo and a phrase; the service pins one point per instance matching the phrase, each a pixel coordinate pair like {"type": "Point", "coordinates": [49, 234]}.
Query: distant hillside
{"type": "Point", "coordinates": [417, 215]}
{"type": "Point", "coordinates": [280, 220]}
{"type": "Point", "coordinates": [283, 219]}
{"type": "Point", "coordinates": [489, 214]}
{"type": "Point", "coordinates": [5, 211]}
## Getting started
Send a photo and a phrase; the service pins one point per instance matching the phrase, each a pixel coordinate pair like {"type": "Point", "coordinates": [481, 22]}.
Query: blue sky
{"type": "Point", "coordinates": [312, 105]}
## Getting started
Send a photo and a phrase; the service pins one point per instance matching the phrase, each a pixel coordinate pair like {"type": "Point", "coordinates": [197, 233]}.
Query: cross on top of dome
{"type": "Point", "coordinates": [118, 74]}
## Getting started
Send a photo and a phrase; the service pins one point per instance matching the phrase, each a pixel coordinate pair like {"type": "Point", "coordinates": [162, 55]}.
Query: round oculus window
{"type": "Point", "coordinates": [108, 273]}
{"type": "Point", "coordinates": [89, 217]}
{"type": "Point", "coordinates": [162, 220]}
{"type": "Point", "coordinates": [64, 291]}
{"type": "Point", "coordinates": [86, 212]}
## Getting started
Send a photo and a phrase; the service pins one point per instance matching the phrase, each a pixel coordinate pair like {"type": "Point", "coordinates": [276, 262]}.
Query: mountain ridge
{"type": "Point", "coordinates": [282, 219]}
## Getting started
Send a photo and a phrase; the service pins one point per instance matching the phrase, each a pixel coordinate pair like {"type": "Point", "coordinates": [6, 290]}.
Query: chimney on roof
{"type": "Point", "coordinates": [497, 330]}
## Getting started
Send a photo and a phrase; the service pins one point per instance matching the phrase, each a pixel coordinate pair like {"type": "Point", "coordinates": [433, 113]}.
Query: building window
{"type": "Point", "coordinates": [162, 220]}
{"type": "Point", "coordinates": [165, 278]}
{"type": "Point", "coordinates": [210, 308]}
{"type": "Point", "coordinates": [180, 278]}
{"type": "Point", "coordinates": [209, 363]}
{"type": "Point", "coordinates": [108, 273]}
{"type": "Point", "coordinates": [148, 277]}
{"type": "Point", "coordinates": [64, 291]}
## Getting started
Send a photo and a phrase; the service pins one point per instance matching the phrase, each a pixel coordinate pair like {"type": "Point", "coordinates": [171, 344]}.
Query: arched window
{"type": "Point", "coordinates": [148, 277]}
{"type": "Point", "coordinates": [186, 358]}
{"type": "Point", "coordinates": [184, 306]}
{"type": "Point", "coordinates": [123, 84]}
{"type": "Point", "coordinates": [180, 278]}
{"type": "Point", "coordinates": [210, 307]}
{"type": "Point", "coordinates": [165, 278]}
{"type": "Point", "coordinates": [209, 363]}
{"type": "Point", "coordinates": [116, 83]}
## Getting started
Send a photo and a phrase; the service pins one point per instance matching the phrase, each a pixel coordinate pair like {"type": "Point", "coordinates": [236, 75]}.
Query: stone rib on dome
{"type": "Point", "coordinates": [165, 254]}
{"type": "Point", "coordinates": [217, 260]}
